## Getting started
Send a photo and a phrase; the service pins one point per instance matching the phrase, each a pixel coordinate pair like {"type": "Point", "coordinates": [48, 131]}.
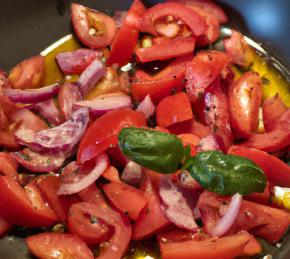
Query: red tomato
{"type": "Point", "coordinates": [190, 140]}
{"type": "Point", "coordinates": [58, 245]}
{"type": "Point", "coordinates": [238, 49]}
{"type": "Point", "coordinates": [207, 5]}
{"type": "Point", "coordinates": [7, 167]}
{"type": "Point", "coordinates": [127, 37]}
{"type": "Point", "coordinates": [273, 109]}
{"type": "Point", "coordinates": [209, 248]}
{"type": "Point", "coordinates": [5, 226]}
{"type": "Point", "coordinates": [213, 31]}
{"type": "Point", "coordinates": [173, 109]}
{"type": "Point", "coordinates": [193, 20]}
{"type": "Point", "coordinates": [94, 29]}
{"type": "Point", "coordinates": [151, 218]}
{"type": "Point", "coordinates": [60, 204]}
{"type": "Point", "coordinates": [277, 172]}
{"type": "Point", "coordinates": [245, 97]}
{"type": "Point", "coordinates": [7, 140]}
{"type": "Point", "coordinates": [87, 221]}
{"type": "Point", "coordinates": [117, 157]}
{"type": "Point", "coordinates": [93, 195]}
{"type": "Point", "coordinates": [190, 126]}
{"type": "Point", "coordinates": [27, 74]}
{"type": "Point", "coordinates": [262, 198]}
{"type": "Point", "coordinates": [15, 201]}
{"type": "Point", "coordinates": [203, 70]}
{"type": "Point", "coordinates": [104, 131]}
{"type": "Point", "coordinates": [252, 248]}
{"type": "Point", "coordinates": [11, 159]}
{"type": "Point", "coordinates": [164, 83]}
{"type": "Point", "coordinates": [112, 174]}
{"type": "Point", "coordinates": [274, 140]}
{"type": "Point", "coordinates": [263, 221]}
{"type": "Point", "coordinates": [168, 49]}
{"type": "Point", "coordinates": [126, 198]}
{"type": "Point", "coordinates": [217, 115]}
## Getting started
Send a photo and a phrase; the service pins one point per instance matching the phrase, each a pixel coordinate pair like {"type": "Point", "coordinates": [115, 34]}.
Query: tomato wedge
{"type": "Point", "coordinates": [167, 49]}
{"type": "Point", "coordinates": [173, 109]}
{"type": "Point", "coordinates": [167, 81]}
{"type": "Point", "coordinates": [15, 201]}
{"type": "Point", "coordinates": [112, 174]}
{"type": "Point", "coordinates": [245, 97]}
{"type": "Point", "coordinates": [103, 132]}
{"type": "Point", "coordinates": [7, 167]}
{"type": "Point", "coordinates": [209, 248]}
{"type": "Point", "coordinates": [151, 219]}
{"type": "Point", "coordinates": [277, 172]}
{"type": "Point", "coordinates": [127, 37]}
{"type": "Point", "coordinates": [58, 245]}
{"type": "Point", "coordinates": [87, 221]}
{"type": "Point", "coordinates": [48, 186]}
{"type": "Point", "coordinates": [263, 221]}
{"type": "Point", "coordinates": [203, 70]}
{"type": "Point", "coordinates": [190, 140]}
{"type": "Point", "coordinates": [5, 226]}
{"type": "Point", "coordinates": [273, 109]}
{"type": "Point", "coordinates": [94, 29]}
{"type": "Point", "coordinates": [126, 198]}
{"type": "Point", "coordinates": [192, 19]}
{"type": "Point", "coordinates": [27, 74]}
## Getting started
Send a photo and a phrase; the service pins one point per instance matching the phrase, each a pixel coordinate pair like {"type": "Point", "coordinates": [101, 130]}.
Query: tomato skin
{"type": "Point", "coordinates": [168, 49]}
{"type": "Point", "coordinates": [85, 221]}
{"type": "Point", "coordinates": [262, 198]}
{"type": "Point", "coordinates": [162, 84]}
{"type": "Point", "coordinates": [126, 198]}
{"type": "Point", "coordinates": [217, 114]}
{"type": "Point", "coordinates": [117, 157]}
{"type": "Point", "coordinates": [15, 201]}
{"type": "Point", "coordinates": [190, 126]}
{"type": "Point", "coordinates": [273, 109]}
{"type": "Point", "coordinates": [191, 141]}
{"type": "Point", "coordinates": [238, 49]}
{"type": "Point", "coordinates": [210, 248]}
{"type": "Point", "coordinates": [269, 223]}
{"type": "Point", "coordinates": [151, 219]}
{"type": "Point", "coordinates": [27, 74]}
{"type": "Point", "coordinates": [277, 172]}
{"type": "Point", "coordinates": [79, 16]}
{"type": "Point", "coordinates": [203, 70]}
{"type": "Point", "coordinates": [173, 109]}
{"type": "Point", "coordinates": [5, 226]}
{"type": "Point", "coordinates": [103, 132]}
{"type": "Point", "coordinates": [48, 245]}
{"type": "Point", "coordinates": [193, 20]}
{"type": "Point", "coordinates": [127, 37]}
{"type": "Point", "coordinates": [60, 204]}
{"type": "Point", "coordinates": [245, 97]}
{"type": "Point", "coordinates": [112, 174]}
{"type": "Point", "coordinates": [7, 167]}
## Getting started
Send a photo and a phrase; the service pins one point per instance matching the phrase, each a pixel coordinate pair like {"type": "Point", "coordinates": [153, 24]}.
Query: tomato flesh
{"type": "Point", "coordinates": [104, 131]}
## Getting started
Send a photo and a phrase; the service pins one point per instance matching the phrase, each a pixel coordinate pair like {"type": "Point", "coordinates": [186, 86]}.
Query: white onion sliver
{"type": "Point", "coordinates": [224, 224]}
{"type": "Point", "coordinates": [146, 107]}
{"type": "Point", "coordinates": [67, 188]}
{"type": "Point", "coordinates": [132, 174]}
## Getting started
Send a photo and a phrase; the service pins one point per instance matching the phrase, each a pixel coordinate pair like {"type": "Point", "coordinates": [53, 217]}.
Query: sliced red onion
{"type": "Point", "coordinates": [76, 62]}
{"type": "Point", "coordinates": [224, 224]}
{"type": "Point", "coordinates": [69, 93]}
{"type": "Point", "coordinates": [175, 206]}
{"type": "Point", "coordinates": [132, 174]}
{"type": "Point", "coordinates": [184, 180]}
{"type": "Point", "coordinates": [37, 162]}
{"type": "Point", "coordinates": [31, 95]}
{"type": "Point", "coordinates": [120, 17]}
{"type": "Point", "coordinates": [49, 111]}
{"type": "Point", "coordinates": [75, 179]}
{"type": "Point", "coordinates": [208, 143]}
{"type": "Point", "coordinates": [91, 75]}
{"type": "Point", "coordinates": [105, 103]}
{"type": "Point", "coordinates": [62, 138]}
{"type": "Point", "coordinates": [146, 107]}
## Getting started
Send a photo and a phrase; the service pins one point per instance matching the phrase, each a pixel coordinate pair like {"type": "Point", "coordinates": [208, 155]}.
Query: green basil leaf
{"type": "Point", "coordinates": [226, 174]}
{"type": "Point", "coordinates": [155, 150]}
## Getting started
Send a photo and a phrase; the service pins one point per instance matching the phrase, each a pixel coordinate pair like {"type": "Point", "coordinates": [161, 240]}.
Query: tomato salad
{"type": "Point", "coordinates": [157, 138]}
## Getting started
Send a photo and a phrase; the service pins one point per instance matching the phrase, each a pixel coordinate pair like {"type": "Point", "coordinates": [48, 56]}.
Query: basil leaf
{"type": "Point", "coordinates": [226, 174]}
{"type": "Point", "coordinates": [155, 150]}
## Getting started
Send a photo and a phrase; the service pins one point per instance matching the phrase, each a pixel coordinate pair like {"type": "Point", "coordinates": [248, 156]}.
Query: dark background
{"type": "Point", "coordinates": [29, 26]}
